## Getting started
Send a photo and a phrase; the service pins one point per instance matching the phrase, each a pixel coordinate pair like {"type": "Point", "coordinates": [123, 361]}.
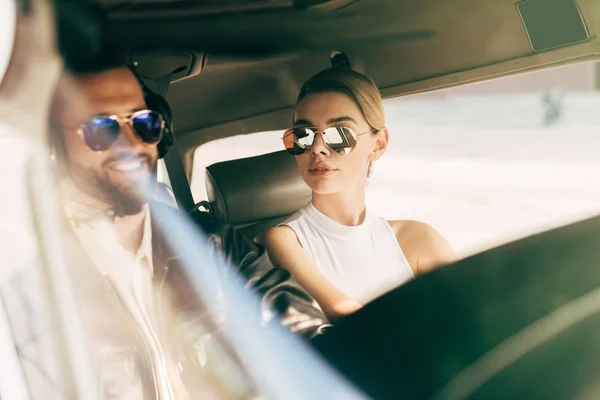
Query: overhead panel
{"type": "Point", "coordinates": [551, 24]}
{"type": "Point", "coordinates": [133, 9]}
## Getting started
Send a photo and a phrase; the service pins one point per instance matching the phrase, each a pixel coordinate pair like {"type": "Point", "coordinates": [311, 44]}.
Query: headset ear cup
{"type": "Point", "coordinates": [167, 139]}
{"type": "Point", "coordinates": [159, 103]}
{"type": "Point", "coordinates": [166, 142]}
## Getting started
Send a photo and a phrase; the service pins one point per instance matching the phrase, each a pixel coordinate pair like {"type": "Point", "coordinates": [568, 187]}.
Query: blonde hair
{"type": "Point", "coordinates": [361, 89]}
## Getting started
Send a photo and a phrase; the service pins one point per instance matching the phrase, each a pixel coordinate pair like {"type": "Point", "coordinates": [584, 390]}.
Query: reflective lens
{"type": "Point", "coordinates": [298, 140]}
{"type": "Point", "coordinates": [148, 125]}
{"type": "Point", "coordinates": [100, 133]}
{"type": "Point", "coordinates": [339, 139]}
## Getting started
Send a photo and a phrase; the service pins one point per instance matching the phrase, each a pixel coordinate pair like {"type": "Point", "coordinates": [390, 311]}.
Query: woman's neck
{"type": "Point", "coordinates": [346, 208]}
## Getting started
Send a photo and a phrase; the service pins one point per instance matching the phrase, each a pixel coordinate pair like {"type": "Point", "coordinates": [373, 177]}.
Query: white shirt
{"type": "Point", "coordinates": [363, 261]}
{"type": "Point", "coordinates": [131, 274]}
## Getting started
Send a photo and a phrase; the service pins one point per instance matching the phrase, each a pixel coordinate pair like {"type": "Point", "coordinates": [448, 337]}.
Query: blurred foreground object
{"type": "Point", "coordinates": [68, 333]}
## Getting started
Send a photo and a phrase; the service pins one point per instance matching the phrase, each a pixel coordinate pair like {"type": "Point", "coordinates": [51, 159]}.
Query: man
{"type": "Point", "coordinates": [111, 169]}
{"type": "Point", "coordinates": [107, 134]}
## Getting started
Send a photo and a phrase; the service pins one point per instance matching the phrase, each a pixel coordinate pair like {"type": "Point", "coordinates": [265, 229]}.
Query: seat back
{"type": "Point", "coordinates": [256, 193]}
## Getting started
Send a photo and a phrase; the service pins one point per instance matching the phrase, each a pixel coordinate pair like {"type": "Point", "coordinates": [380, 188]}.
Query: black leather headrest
{"type": "Point", "coordinates": [256, 188]}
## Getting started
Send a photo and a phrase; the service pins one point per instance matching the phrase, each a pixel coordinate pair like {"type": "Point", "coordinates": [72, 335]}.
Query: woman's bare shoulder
{"type": "Point", "coordinates": [423, 245]}
{"type": "Point", "coordinates": [279, 233]}
{"type": "Point", "coordinates": [411, 229]}
{"type": "Point", "coordinates": [281, 242]}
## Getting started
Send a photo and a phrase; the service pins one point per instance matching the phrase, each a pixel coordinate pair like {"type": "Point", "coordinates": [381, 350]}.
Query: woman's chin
{"type": "Point", "coordinates": [323, 189]}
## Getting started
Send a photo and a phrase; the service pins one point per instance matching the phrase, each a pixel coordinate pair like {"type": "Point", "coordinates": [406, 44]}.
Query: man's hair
{"type": "Point", "coordinates": [81, 39]}
{"type": "Point", "coordinates": [82, 45]}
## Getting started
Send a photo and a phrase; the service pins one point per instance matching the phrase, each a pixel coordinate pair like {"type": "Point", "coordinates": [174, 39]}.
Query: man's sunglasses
{"type": "Point", "coordinates": [339, 139]}
{"type": "Point", "coordinates": [102, 131]}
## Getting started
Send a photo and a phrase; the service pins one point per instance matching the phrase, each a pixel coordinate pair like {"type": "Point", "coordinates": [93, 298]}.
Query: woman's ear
{"type": "Point", "coordinates": [381, 144]}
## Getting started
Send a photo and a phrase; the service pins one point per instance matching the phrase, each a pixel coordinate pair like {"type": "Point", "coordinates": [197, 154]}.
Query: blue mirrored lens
{"type": "Point", "coordinates": [148, 126]}
{"type": "Point", "coordinates": [101, 132]}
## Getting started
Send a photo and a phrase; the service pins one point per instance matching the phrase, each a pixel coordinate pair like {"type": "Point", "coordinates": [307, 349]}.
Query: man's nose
{"type": "Point", "coordinates": [319, 146]}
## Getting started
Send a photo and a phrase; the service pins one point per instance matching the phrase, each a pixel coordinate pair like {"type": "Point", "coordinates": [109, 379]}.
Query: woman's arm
{"type": "Point", "coordinates": [286, 251]}
{"type": "Point", "coordinates": [424, 247]}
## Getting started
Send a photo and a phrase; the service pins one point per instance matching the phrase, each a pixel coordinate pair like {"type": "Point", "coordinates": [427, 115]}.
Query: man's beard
{"type": "Point", "coordinates": [126, 198]}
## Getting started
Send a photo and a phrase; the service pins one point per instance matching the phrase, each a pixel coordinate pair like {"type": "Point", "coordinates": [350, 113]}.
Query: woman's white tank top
{"type": "Point", "coordinates": [363, 261]}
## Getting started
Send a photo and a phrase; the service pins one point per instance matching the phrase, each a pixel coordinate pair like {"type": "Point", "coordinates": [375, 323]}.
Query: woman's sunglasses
{"type": "Point", "coordinates": [339, 139]}
{"type": "Point", "coordinates": [102, 131]}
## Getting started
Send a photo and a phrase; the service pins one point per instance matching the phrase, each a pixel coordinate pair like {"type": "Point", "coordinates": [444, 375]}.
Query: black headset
{"type": "Point", "coordinates": [156, 102]}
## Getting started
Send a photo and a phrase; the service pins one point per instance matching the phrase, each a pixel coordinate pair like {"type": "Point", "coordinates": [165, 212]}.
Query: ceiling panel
{"type": "Point", "coordinates": [258, 60]}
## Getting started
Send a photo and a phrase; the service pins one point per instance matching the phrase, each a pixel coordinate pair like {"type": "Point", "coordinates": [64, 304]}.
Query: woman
{"type": "Point", "coordinates": [342, 254]}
